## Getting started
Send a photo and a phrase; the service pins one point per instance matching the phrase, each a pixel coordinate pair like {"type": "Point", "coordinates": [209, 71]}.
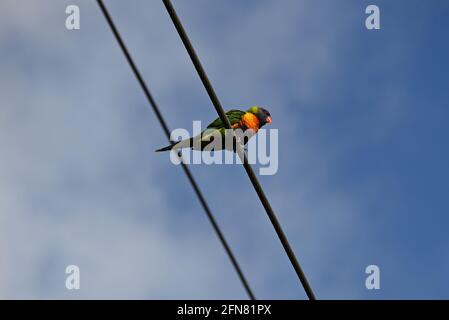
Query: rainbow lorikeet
{"type": "Point", "coordinates": [253, 119]}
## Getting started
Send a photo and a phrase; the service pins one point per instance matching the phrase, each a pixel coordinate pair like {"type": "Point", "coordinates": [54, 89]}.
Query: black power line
{"type": "Point", "coordinates": [164, 126]}
{"type": "Point", "coordinates": [216, 102]}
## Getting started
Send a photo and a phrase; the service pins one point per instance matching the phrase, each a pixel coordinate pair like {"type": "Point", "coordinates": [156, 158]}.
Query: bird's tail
{"type": "Point", "coordinates": [167, 148]}
{"type": "Point", "coordinates": [187, 143]}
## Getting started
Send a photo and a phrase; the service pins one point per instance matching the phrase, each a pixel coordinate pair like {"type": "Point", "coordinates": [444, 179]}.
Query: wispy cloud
{"type": "Point", "coordinates": [80, 183]}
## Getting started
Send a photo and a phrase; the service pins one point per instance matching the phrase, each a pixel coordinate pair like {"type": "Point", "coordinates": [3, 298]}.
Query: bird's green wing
{"type": "Point", "coordinates": [234, 117]}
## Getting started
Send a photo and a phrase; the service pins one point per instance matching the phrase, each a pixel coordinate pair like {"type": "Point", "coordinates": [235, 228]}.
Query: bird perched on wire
{"type": "Point", "coordinates": [249, 122]}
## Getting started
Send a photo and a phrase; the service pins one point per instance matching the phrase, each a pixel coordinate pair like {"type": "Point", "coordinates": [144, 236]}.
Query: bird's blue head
{"type": "Point", "coordinates": [262, 114]}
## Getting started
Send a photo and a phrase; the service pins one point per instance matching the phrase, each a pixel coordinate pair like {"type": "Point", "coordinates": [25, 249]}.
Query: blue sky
{"type": "Point", "coordinates": [362, 118]}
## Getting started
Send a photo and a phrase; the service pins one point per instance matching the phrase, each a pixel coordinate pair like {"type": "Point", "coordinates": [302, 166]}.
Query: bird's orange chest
{"type": "Point", "coordinates": [250, 121]}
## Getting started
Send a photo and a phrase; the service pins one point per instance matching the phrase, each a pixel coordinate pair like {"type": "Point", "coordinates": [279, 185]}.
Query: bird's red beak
{"type": "Point", "coordinates": [269, 120]}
